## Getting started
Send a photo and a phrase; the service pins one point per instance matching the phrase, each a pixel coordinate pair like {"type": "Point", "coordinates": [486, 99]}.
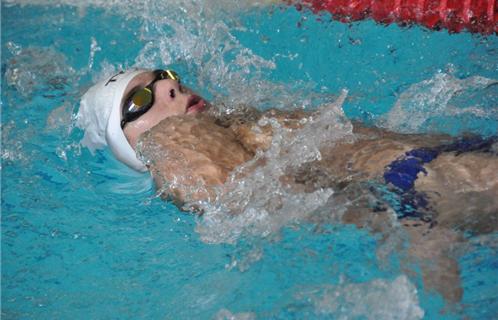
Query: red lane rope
{"type": "Point", "coordinates": [476, 16]}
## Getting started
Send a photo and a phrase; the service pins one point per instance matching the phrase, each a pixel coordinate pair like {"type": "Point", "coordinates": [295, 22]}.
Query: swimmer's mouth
{"type": "Point", "coordinates": [195, 104]}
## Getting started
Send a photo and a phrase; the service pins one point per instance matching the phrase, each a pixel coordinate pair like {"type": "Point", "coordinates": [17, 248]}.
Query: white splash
{"type": "Point", "coordinates": [200, 37]}
{"type": "Point", "coordinates": [225, 314]}
{"type": "Point", "coordinates": [432, 98]}
{"type": "Point", "coordinates": [205, 45]}
{"type": "Point", "coordinates": [378, 299]}
{"type": "Point", "coordinates": [138, 4]}
{"type": "Point", "coordinates": [260, 203]}
{"type": "Point", "coordinates": [35, 69]}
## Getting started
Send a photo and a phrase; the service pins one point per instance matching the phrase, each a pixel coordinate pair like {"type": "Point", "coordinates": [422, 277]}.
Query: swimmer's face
{"type": "Point", "coordinates": [170, 99]}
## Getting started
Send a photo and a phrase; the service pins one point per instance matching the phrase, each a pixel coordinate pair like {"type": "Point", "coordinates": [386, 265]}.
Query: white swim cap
{"type": "Point", "coordinates": [100, 116]}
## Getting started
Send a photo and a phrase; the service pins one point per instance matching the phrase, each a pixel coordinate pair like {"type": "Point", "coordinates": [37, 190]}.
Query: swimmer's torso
{"type": "Point", "coordinates": [192, 155]}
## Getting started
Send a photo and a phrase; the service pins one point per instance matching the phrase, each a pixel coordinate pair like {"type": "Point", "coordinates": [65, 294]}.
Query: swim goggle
{"type": "Point", "coordinates": [141, 100]}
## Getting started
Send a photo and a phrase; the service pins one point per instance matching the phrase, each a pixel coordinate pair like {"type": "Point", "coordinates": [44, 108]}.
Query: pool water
{"type": "Point", "coordinates": [84, 237]}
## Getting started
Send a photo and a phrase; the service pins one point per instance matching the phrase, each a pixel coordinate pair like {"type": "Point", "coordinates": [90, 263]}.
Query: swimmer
{"type": "Point", "coordinates": [443, 186]}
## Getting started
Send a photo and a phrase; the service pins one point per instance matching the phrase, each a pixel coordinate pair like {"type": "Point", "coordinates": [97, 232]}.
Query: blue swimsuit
{"type": "Point", "coordinates": [402, 173]}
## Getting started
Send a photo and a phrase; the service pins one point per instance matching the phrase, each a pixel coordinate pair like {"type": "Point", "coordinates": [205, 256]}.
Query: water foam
{"type": "Point", "coordinates": [137, 4]}
{"type": "Point", "coordinates": [434, 97]}
{"type": "Point", "coordinates": [33, 69]}
{"type": "Point", "coordinates": [377, 299]}
{"type": "Point", "coordinates": [225, 314]}
{"type": "Point", "coordinates": [38, 77]}
{"type": "Point", "coordinates": [200, 38]}
{"type": "Point", "coordinates": [259, 203]}
{"type": "Point", "coordinates": [205, 45]}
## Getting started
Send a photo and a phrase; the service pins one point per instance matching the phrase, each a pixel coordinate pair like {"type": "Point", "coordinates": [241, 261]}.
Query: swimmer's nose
{"type": "Point", "coordinates": [168, 89]}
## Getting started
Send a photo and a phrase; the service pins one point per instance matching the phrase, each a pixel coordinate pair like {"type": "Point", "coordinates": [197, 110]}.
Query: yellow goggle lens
{"type": "Point", "coordinates": [142, 98]}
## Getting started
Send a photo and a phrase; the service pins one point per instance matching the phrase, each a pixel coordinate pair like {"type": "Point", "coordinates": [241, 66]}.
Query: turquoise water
{"type": "Point", "coordinates": [83, 237]}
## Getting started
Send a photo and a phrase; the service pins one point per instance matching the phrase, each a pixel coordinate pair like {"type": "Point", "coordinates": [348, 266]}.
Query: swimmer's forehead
{"type": "Point", "coordinates": [139, 81]}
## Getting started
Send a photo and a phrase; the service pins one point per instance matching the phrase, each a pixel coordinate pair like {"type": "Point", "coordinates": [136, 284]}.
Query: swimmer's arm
{"type": "Point", "coordinates": [430, 247]}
